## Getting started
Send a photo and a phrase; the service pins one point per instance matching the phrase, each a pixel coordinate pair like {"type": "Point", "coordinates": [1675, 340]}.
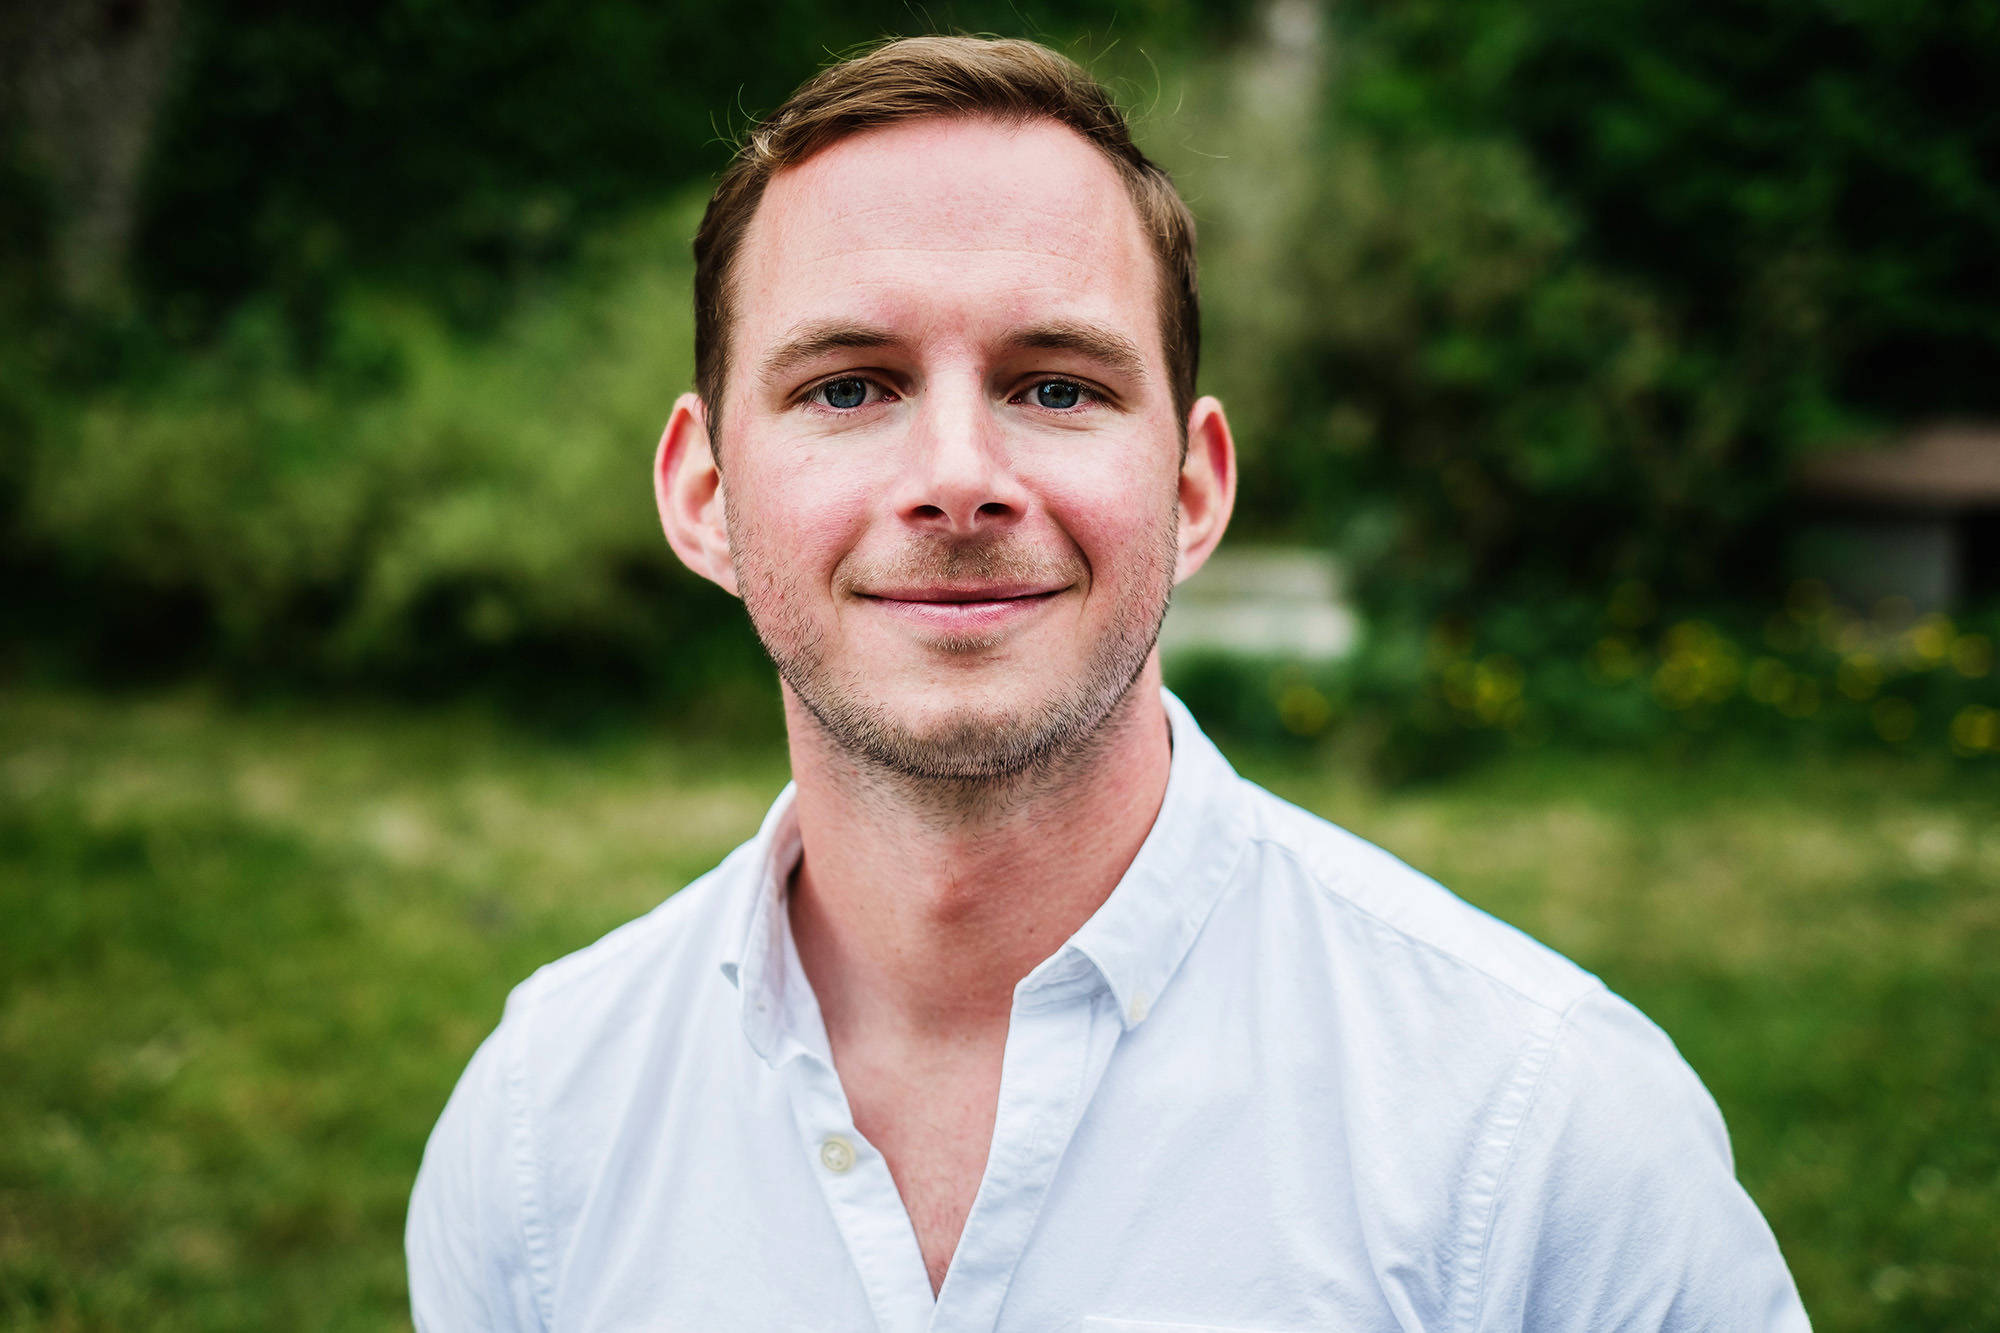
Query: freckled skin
{"type": "Point", "coordinates": [949, 572]}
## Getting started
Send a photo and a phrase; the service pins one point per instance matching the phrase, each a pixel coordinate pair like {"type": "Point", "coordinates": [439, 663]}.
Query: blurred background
{"type": "Point", "coordinates": [1619, 541]}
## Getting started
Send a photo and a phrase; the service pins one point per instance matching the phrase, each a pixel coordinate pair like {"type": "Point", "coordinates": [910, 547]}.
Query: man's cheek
{"type": "Point", "coordinates": [792, 519]}
{"type": "Point", "coordinates": [1116, 525]}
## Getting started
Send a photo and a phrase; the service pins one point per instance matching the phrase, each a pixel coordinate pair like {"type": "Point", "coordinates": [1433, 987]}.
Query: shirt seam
{"type": "Point", "coordinates": [534, 1227]}
{"type": "Point", "coordinates": [1541, 1059]}
{"type": "Point", "coordinates": [1319, 881]}
{"type": "Point", "coordinates": [586, 965]}
{"type": "Point", "coordinates": [1189, 925]}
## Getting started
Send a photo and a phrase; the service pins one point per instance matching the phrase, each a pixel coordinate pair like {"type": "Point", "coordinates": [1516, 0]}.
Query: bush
{"type": "Point", "coordinates": [452, 146]}
{"type": "Point", "coordinates": [1515, 303]}
{"type": "Point", "coordinates": [416, 506]}
{"type": "Point", "coordinates": [1814, 674]}
{"type": "Point", "coordinates": [1521, 302]}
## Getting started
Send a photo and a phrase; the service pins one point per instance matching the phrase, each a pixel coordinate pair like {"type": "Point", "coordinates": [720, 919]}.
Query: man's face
{"type": "Point", "coordinates": [951, 458]}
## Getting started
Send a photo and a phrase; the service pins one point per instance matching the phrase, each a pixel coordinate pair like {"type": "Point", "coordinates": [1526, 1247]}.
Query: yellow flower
{"type": "Point", "coordinates": [1975, 730]}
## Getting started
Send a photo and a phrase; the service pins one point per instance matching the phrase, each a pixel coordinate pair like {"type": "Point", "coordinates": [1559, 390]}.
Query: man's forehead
{"type": "Point", "coordinates": [1029, 216]}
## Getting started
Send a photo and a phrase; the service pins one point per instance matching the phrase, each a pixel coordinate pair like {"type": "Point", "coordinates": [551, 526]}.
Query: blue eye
{"type": "Point", "coordinates": [844, 394]}
{"type": "Point", "coordinates": [1058, 394]}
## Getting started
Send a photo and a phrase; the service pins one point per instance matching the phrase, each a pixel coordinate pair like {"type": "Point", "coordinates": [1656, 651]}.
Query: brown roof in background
{"type": "Point", "coordinates": [1941, 467]}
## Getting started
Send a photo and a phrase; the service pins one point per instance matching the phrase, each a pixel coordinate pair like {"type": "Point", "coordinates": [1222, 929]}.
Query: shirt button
{"type": "Point", "coordinates": [836, 1155]}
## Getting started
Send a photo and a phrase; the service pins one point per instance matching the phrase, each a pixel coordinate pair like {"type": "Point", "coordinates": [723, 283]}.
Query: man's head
{"type": "Point", "coordinates": [952, 490]}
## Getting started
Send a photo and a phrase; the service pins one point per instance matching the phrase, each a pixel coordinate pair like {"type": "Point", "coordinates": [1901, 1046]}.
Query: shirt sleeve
{"type": "Point", "coordinates": [1619, 1206]}
{"type": "Point", "coordinates": [465, 1239]}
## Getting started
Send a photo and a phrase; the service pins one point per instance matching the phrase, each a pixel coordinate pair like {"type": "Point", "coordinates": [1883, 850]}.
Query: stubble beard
{"type": "Point", "coordinates": [972, 756]}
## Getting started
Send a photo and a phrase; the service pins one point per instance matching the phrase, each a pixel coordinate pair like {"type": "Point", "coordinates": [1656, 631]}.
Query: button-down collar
{"type": "Point", "coordinates": [1133, 943]}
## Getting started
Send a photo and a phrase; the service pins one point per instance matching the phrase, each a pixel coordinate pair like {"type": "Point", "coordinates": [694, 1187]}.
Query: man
{"type": "Point", "coordinates": [1022, 1011]}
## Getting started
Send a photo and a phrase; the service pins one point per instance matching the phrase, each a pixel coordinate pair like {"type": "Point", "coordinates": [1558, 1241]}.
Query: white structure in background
{"type": "Point", "coordinates": [1252, 602]}
{"type": "Point", "coordinates": [1918, 518]}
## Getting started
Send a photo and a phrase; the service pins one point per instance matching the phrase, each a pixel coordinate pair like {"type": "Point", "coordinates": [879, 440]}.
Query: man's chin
{"type": "Point", "coordinates": [973, 742]}
{"type": "Point", "coordinates": [976, 738]}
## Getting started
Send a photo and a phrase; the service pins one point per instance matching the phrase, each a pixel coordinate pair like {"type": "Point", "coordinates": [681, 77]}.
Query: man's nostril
{"type": "Point", "coordinates": [993, 507]}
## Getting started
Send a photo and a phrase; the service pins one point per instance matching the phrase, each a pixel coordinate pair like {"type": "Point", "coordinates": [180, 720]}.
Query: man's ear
{"type": "Point", "coordinates": [688, 487]}
{"type": "Point", "coordinates": [1208, 485]}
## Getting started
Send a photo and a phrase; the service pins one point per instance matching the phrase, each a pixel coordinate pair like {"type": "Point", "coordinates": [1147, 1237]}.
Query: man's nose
{"type": "Point", "coordinates": [959, 479]}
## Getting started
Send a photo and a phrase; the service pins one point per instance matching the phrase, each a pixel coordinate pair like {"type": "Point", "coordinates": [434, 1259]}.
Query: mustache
{"type": "Point", "coordinates": [977, 560]}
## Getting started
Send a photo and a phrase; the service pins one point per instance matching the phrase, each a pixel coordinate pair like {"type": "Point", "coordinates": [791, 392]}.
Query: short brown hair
{"type": "Point", "coordinates": [918, 78]}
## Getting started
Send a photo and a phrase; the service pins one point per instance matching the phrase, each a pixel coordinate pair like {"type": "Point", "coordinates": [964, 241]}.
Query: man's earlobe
{"type": "Point", "coordinates": [687, 486]}
{"type": "Point", "coordinates": [1208, 485]}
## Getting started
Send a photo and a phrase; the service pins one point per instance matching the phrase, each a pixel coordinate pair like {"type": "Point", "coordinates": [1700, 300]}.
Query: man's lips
{"type": "Point", "coordinates": [963, 595]}
{"type": "Point", "coordinates": [963, 609]}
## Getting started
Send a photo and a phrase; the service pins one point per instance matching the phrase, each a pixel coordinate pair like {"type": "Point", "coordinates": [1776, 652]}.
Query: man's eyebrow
{"type": "Point", "coordinates": [1109, 348]}
{"type": "Point", "coordinates": [813, 341]}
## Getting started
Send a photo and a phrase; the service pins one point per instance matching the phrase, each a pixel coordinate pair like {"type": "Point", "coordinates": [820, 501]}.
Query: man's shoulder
{"type": "Point", "coordinates": [1471, 1029]}
{"type": "Point", "coordinates": [644, 967]}
{"type": "Point", "coordinates": [1397, 910]}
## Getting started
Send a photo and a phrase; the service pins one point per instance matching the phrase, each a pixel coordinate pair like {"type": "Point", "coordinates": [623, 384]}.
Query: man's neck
{"type": "Point", "coordinates": [918, 911]}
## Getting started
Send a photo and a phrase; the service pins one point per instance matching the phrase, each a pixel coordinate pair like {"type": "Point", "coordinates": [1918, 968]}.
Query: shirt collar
{"type": "Point", "coordinates": [760, 966]}
{"type": "Point", "coordinates": [1139, 937]}
{"type": "Point", "coordinates": [1135, 942]}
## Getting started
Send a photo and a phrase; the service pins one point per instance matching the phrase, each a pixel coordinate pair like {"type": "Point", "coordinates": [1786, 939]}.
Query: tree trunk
{"type": "Point", "coordinates": [88, 77]}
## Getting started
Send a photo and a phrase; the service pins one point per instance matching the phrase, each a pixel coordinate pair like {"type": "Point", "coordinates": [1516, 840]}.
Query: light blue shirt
{"type": "Point", "coordinates": [1280, 1081]}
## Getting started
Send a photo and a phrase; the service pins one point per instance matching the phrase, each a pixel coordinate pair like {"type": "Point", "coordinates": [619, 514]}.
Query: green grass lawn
{"type": "Point", "coordinates": [243, 956]}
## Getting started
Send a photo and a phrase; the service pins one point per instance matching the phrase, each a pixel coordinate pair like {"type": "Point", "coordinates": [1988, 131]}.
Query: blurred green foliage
{"type": "Point", "coordinates": [454, 146]}
{"type": "Point", "coordinates": [1552, 298]}
{"type": "Point", "coordinates": [417, 506]}
{"type": "Point", "coordinates": [1515, 303]}
{"type": "Point", "coordinates": [1813, 678]}
{"type": "Point", "coordinates": [408, 305]}
{"type": "Point", "coordinates": [1807, 187]}
{"type": "Point", "coordinates": [1587, 278]}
